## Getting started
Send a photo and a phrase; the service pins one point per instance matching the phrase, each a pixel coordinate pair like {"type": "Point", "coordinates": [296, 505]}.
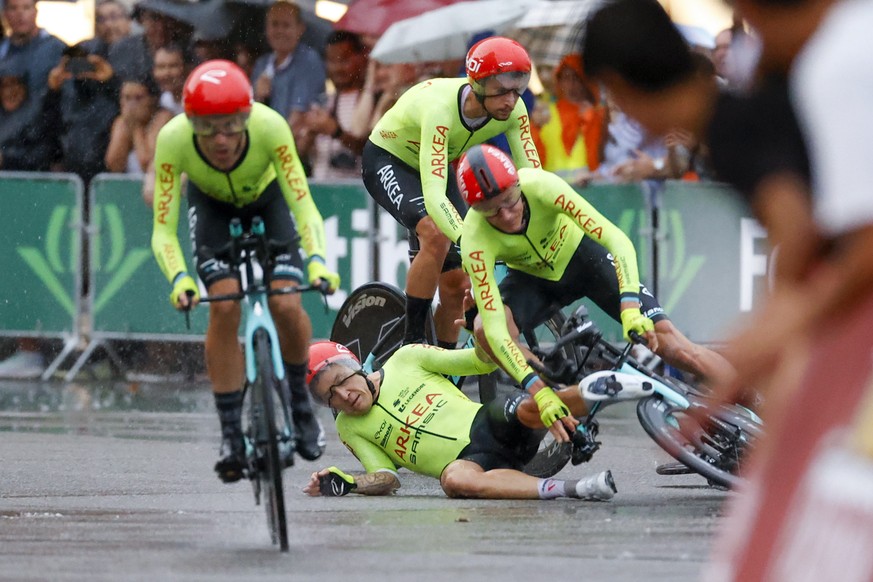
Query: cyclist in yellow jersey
{"type": "Point", "coordinates": [407, 169]}
{"type": "Point", "coordinates": [241, 161]}
{"type": "Point", "coordinates": [558, 249]}
{"type": "Point", "coordinates": [407, 414]}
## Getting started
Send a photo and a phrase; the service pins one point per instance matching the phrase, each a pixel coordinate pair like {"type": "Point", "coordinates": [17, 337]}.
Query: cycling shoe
{"type": "Point", "coordinates": [232, 459]}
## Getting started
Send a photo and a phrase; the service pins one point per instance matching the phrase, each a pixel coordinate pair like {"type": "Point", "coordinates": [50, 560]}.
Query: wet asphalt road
{"type": "Point", "coordinates": [115, 482]}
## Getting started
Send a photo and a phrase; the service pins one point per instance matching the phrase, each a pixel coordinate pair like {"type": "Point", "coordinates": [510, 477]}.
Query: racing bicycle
{"type": "Point", "coordinates": [268, 429]}
{"type": "Point", "coordinates": [707, 438]}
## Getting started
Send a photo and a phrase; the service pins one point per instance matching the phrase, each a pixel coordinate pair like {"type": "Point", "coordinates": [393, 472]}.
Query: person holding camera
{"type": "Point", "coordinates": [82, 100]}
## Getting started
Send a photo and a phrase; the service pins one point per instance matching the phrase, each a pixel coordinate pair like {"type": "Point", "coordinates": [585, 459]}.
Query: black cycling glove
{"type": "Point", "coordinates": [336, 483]}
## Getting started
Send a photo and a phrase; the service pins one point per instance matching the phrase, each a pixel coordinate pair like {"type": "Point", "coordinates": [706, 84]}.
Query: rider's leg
{"type": "Point", "coordinates": [295, 330]}
{"type": "Point", "coordinates": [453, 286]}
{"type": "Point", "coordinates": [422, 278]}
{"type": "Point", "coordinates": [680, 352]}
{"type": "Point", "coordinates": [467, 479]}
{"type": "Point", "coordinates": [224, 366]}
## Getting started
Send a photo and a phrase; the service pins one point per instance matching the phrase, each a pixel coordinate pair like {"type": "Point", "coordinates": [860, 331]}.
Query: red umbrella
{"type": "Point", "coordinates": [374, 16]}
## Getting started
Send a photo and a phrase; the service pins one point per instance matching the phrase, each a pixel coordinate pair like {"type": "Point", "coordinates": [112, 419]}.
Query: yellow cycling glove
{"type": "Point", "coordinates": [634, 320]}
{"type": "Point", "coordinates": [181, 285]}
{"type": "Point", "coordinates": [550, 406]}
{"type": "Point", "coordinates": [317, 270]}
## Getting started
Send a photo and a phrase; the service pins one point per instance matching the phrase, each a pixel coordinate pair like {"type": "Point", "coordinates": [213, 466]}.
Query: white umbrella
{"type": "Point", "coordinates": [552, 29]}
{"type": "Point", "coordinates": [443, 34]}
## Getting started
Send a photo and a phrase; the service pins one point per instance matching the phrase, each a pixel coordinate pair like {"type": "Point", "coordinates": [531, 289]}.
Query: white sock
{"type": "Point", "coordinates": [551, 488]}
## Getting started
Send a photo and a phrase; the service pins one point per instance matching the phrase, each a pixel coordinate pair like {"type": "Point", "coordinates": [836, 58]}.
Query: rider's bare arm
{"type": "Point", "coordinates": [381, 483]}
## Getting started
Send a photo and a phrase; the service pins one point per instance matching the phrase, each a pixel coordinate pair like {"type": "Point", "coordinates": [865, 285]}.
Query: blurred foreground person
{"type": "Point", "coordinates": [807, 510]}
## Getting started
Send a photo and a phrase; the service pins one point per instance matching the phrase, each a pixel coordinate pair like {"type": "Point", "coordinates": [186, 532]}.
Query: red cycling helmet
{"type": "Point", "coordinates": [326, 352]}
{"type": "Point", "coordinates": [217, 87]}
{"type": "Point", "coordinates": [500, 57]}
{"type": "Point", "coordinates": [484, 171]}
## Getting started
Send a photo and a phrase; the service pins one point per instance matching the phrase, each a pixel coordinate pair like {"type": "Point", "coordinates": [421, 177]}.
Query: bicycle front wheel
{"type": "Point", "coordinates": [268, 462]}
{"type": "Point", "coordinates": [713, 449]}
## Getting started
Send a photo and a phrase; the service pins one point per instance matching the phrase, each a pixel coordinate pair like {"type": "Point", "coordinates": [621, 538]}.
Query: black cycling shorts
{"type": "Point", "coordinates": [591, 274]}
{"type": "Point", "coordinates": [209, 223]}
{"type": "Point", "coordinates": [498, 440]}
{"type": "Point", "coordinates": [396, 187]}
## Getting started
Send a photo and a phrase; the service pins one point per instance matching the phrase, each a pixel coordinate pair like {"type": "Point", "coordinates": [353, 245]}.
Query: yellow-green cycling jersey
{"type": "Point", "coordinates": [420, 420]}
{"type": "Point", "coordinates": [558, 219]}
{"type": "Point", "coordinates": [270, 154]}
{"type": "Point", "coordinates": [426, 130]}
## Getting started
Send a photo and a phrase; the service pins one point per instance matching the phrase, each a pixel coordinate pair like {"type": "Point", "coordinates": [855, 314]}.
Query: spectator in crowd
{"type": "Point", "coordinates": [290, 78]}
{"type": "Point", "coordinates": [546, 75]}
{"type": "Point", "coordinates": [244, 55]}
{"type": "Point", "coordinates": [133, 57]}
{"type": "Point", "coordinates": [135, 130]}
{"type": "Point", "coordinates": [383, 85]}
{"type": "Point", "coordinates": [334, 151]}
{"type": "Point", "coordinates": [23, 143]}
{"type": "Point", "coordinates": [35, 48]}
{"type": "Point", "coordinates": [571, 141]}
{"type": "Point", "coordinates": [721, 53]}
{"type": "Point", "coordinates": [82, 102]}
{"type": "Point", "coordinates": [111, 24]}
{"type": "Point", "coordinates": [172, 64]}
{"type": "Point", "coordinates": [630, 152]}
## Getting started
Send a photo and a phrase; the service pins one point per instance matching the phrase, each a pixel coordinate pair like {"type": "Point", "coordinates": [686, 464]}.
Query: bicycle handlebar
{"type": "Point", "coordinates": [322, 288]}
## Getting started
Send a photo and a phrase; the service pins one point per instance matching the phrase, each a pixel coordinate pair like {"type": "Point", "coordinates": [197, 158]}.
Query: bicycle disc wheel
{"type": "Point", "coordinates": [372, 316]}
{"type": "Point", "coordinates": [268, 462]}
{"type": "Point", "coordinates": [714, 451]}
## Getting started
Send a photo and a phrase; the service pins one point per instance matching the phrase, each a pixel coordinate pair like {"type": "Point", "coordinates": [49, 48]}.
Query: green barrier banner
{"type": "Point", "coordinates": [42, 214]}
{"type": "Point", "coordinates": [129, 295]}
{"type": "Point", "coordinates": [712, 259]}
{"type": "Point", "coordinates": [347, 213]}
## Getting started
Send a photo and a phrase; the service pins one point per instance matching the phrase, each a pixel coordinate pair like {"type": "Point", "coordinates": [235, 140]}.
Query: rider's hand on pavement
{"type": "Point", "coordinates": [330, 482]}
{"type": "Point", "coordinates": [318, 272]}
{"type": "Point", "coordinates": [179, 297]}
{"type": "Point", "coordinates": [632, 319]}
{"type": "Point", "coordinates": [554, 414]}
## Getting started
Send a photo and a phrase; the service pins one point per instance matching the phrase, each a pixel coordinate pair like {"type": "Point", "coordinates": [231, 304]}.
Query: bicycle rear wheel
{"type": "Point", "coordinates": [268, 462]}
{"type": "Point", "coordinates": [713, 451]}
{"type": "Point", "coordinates": [373, 316]}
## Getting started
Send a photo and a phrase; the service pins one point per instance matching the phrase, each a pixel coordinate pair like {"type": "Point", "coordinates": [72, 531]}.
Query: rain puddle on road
{"type": "Point", "coordinates": [120, 409]}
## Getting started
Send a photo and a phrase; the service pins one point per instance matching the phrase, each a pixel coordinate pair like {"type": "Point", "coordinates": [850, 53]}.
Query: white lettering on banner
{"type": "Point", "coordinates": [752, 264]}
{"type": "Point", "coordinates": [361, 263]}
{"type": "Point", "coordinates": [334, 251]}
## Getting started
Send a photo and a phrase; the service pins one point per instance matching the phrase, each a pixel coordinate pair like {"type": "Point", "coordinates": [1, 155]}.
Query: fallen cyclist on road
{"type": "Point", "coordinates": [408, 414]}
{"type": "Point", "coordinates": [558, 248]}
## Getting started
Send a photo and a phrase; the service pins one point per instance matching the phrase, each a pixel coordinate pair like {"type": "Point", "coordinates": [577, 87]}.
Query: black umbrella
{"type": "Point", "coordinates": [244, 19]}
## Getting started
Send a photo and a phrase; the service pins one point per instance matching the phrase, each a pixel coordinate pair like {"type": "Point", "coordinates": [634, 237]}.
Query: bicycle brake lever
{"type": "Point", "coordinates": [187, 310]}
{"type": "Point", "coordinates": [323, 288]}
